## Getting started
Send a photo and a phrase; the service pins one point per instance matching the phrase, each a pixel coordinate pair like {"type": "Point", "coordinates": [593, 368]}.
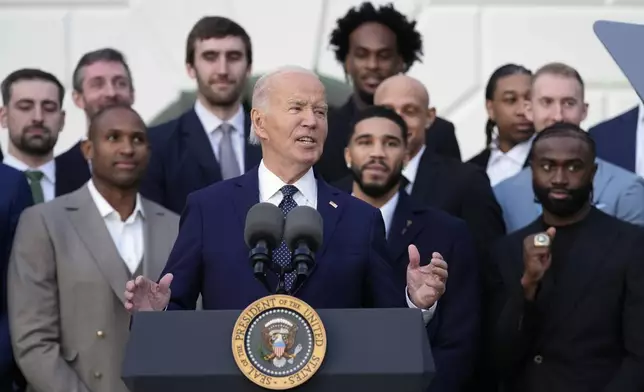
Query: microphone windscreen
{"type": "Point", "coordinates": [303, 224]}
{"type": "Point", "coordinates": [264, 221]}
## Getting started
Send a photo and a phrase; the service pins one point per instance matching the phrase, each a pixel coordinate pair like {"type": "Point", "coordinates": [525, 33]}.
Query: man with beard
{"type": "Point", "coordinates": [72, 257]}
{"type": "Point", "coordinates": [376, 153]}
{"type": "Point", "coordinates": [101, 78]}
{"type": "Point", "coordinates": [568, 289]}
{"type": "Point", "coordinates": [373, 44]}
{"type": "Point", "coordinates": [33, 114]}
{"type": "Point", "coordinates": [208, 143]}
{"type": "Point", "coordinates": [558, 95]}
{"type": "Point", "coordinates": [457, 188]}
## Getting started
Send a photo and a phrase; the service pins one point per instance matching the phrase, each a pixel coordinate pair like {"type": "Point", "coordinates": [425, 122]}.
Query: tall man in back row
{"type": "Point", "coordinates": [568, 303]}
{"type": "Point", "coordinates": [209, 142]}
{"type": "Point", "coordinates": [209, 256]}
{"type": "Point", "coordinates": [372, 44]}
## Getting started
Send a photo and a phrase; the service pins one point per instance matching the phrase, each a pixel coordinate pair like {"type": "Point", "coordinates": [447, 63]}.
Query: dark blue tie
{"type": "Point", "coordinates": [282, 254]}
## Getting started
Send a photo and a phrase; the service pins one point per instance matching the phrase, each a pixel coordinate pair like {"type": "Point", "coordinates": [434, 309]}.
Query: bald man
{"type": "Point", "coordinates": [210, 255]}
{"type": "Point", "coordinates": [72, 257]}
{"type": "Point", "coordinates": [457, 188]}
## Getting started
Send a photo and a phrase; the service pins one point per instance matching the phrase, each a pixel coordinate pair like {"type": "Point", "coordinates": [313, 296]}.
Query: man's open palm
{"type": "Point", "coordinates": [142, 294]}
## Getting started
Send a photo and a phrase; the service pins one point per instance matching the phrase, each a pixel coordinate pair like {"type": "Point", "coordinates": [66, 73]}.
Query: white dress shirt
{"type": "Point", "coordinates": [639, 144]}
{"type": "Point", "coordinates": [503, 165]}
{"type": "Point", "coordinates": [127, 235]}
{"type": "Point", "coordinates": [210, 123]}
{"type": "Point", "coordinates": [270, 185]}
{"type": "Point", "coordinates": [48, 182]}
{"type": "Point", "coordinates": [411, 170]}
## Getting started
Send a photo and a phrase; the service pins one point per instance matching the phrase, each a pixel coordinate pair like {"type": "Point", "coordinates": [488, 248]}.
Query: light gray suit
{"type": "Point", "coordinates": [616, 192]}
{"type": "Point", "coordinates": [66, 284]}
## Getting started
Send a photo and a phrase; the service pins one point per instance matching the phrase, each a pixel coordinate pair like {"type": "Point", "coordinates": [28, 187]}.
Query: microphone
{"type": "Point", "coordinates": [303, 235]}
{"type": "Point", "coordinates": [262, 234]}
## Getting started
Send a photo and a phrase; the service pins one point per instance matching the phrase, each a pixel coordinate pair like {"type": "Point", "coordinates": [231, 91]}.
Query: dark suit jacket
{"type": "Point", "coordinates": [459, 189]}
{"type": "Point", "coordinates": [588, 335]}
{"type": "Point", "coordinates": [210, 256]}
{"type": "Point", "coordinates": [440, 138]}
{"type": "Point", "coordinates": [182, 161]}
{"type": "Point", "coordinates": [616, 139]}
{"type": "Point", "coordinates": [332, 166]}
{"type": "Point", "coordinates": [481, 159]}
{"type": "Point", "coordinates": [72, 170]}
{"type": "Point", "coordinates": [14, 198]}
{"type": "Point", "coordinates": [454, 329]}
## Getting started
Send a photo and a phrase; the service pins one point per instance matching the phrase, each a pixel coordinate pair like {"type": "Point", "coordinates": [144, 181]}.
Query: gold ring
{"type": "Point", "coordinates": [541, 240]}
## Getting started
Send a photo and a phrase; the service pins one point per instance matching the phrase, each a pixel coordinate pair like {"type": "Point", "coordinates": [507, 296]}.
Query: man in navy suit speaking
{"type": "Point", "coordinates": [353, 268]}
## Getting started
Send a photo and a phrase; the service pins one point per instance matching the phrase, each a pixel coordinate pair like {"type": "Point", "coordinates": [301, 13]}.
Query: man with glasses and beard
{"type": "Point", "coordinates": [568, 289]}
{"type": "Point", "coordinates": [208, 143]}
{"type": "Point", "coordinates": [33, 114]}
{"type": "Point", "coordinates": [376, 154]}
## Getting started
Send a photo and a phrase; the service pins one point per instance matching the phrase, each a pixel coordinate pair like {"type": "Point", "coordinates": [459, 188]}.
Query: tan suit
{"type": "Point", "coordinates": [66, 284]}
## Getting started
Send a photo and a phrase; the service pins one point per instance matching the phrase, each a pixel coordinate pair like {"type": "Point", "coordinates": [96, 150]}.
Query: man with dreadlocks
{"type": "Point", "coordinates": [567, 291]}
{"type": "Point", "coordinates": [373, 44]}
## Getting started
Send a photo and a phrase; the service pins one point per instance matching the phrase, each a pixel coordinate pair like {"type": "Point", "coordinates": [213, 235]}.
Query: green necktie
{"type": "Point", "coordinates": [35, 177]}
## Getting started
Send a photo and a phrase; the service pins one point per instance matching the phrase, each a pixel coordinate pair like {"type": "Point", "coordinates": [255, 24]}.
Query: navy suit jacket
{"type": "Point", "coordinates": [15, 196]}
{"type": "Point", "coordinates": [182, 160]}
{"type": "Point", "coordinates": [455, 327]}
{"type": "Point", "coordinates": [616, 139]}
{"type": "Point", "coordinates": [210, 256]}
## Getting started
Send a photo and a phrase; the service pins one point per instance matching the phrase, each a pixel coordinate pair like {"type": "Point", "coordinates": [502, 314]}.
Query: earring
{"type": "Point", "coordinates": [348, 165]}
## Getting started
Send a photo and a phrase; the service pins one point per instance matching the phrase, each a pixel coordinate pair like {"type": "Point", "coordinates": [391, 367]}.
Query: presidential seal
{"type": "Point", "coordinates": [279, 342]}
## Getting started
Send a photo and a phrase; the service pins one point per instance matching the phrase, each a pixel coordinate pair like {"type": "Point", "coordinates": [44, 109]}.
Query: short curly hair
{"type": "Point", "coordinates": [408, 40]}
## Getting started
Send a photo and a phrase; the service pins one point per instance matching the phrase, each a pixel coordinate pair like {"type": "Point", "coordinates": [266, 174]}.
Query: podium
{"type": "Point", "coordinates": [367, 350]}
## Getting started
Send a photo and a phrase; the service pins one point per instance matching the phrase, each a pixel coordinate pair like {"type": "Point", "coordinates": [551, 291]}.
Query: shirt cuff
{"type": "Point", "coordinates": [428, 314]}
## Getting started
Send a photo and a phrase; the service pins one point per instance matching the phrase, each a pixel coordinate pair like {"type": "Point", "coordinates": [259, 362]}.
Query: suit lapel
{"type": "Point", "coordinates": [622, 150]}
{"type": "Point", "coordinates": [330, 208]}
{"type": "Point", "coordinates": [198, 144]}
{"type": "Point", "coordinates": [91, 229]}
{"type": "Point", "coordinates": [154, 258]}
{"type": "Point", "coordinates": [426, 178]}
{"type": "Point", "coordinates": [404, 227]}
{"type": "Point", "coordinates": [246, 195]}
{"type": "Point", "coordinates": [586, 256]}
{"type": "Point", "coordinates": [600, 183]}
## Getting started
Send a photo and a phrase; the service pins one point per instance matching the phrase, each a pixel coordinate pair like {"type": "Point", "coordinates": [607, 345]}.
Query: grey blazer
{"type": "Point", "coordinates": [66, 284]}
{"type": "Point", "coordinates": [616, 191]}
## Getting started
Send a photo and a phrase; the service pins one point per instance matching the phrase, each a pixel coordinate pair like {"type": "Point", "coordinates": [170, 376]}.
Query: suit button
{"type": "Point", "coordinates": [538, 359]}
{"type": "Point", "coordinates": [98, 375]}
{"type": "Point", "coordinates": [100, 334]}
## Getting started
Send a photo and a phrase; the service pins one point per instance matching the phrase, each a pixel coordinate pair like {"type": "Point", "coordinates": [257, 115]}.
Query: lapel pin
{"type": "Point", "coordinates": [404, 230]}
{"type": "Point", "coordinates": [333, 204]}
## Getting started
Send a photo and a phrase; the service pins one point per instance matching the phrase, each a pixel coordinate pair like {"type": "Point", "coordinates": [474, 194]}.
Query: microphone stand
{"type": "Point", "coordinates": [302, 262]}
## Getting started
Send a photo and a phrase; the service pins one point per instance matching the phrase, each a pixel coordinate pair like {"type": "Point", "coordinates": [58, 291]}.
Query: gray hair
{"type": "Point", "coordinates": [262, 89]}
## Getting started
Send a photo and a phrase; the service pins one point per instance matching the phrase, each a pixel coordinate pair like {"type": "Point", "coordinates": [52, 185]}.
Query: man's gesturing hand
{"type": "Point", "coordinates": [425, 284]}
{"type": "Point", "coordinates": [144, 294]}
